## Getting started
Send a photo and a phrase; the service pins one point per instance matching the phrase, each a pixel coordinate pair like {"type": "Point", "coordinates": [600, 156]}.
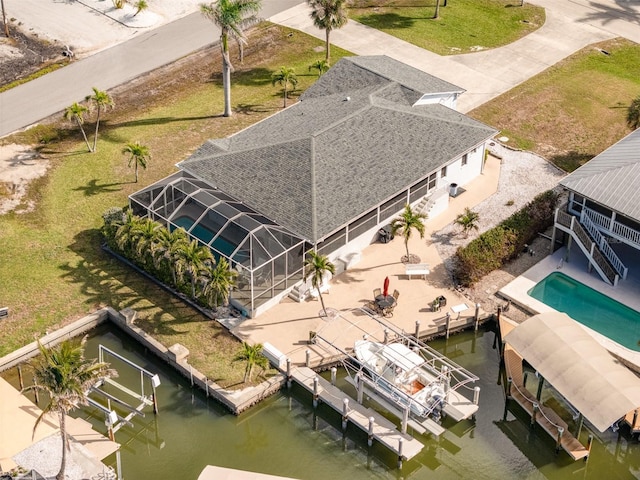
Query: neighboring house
{"type": "Point", "coordinates": [602, 216]}
{"type": "Point", "coordinates": [370, 136]}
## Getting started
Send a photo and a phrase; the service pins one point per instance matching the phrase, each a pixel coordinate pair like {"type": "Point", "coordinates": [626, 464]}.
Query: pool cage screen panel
{"type": "Point", "coordinates": [267, 257]}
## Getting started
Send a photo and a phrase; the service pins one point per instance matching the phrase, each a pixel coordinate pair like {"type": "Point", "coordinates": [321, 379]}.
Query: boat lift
{"type": "Point", "coordinates": [444, 371]}
{"type": "Point", "coordinates": [113, 420]}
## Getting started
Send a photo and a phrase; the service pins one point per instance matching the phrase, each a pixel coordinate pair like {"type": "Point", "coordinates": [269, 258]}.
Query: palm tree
{"type": "Point", "coordinates": [138, 155]}
{"type": "Point", "coordinates": [65, 376]}
{"type": "Point", "coordinates": [406, 223]}
{"type": "Point", "coordinates": [321, 65]}
{"type": "Point", "coordinates": [164, 247]}
{"type": "Point", "coordinates": [143, 236]}
{"type": "Point", "coordinates": [468, 221]}
{"type": "Point", "coordinates": [4, 20]}
{"type": "Point", "coordinates": [285, 77]}
{"type": "Point", "coordinates": [633, 114]}
{"type": "Point", "coordinates": [140, 6]}
{"type": "Point", "coordinates": [328, 15]}
{"type": "Point", "coordinates": [102, 100]}
{"type": "Point", "coordinates": [230, 16]}
{"type": "Point", "coordinates": [317, 266]}
{"type": "Point", "coordinates": [76, 113]}
{"type": "Point", "coordinates": [252, 354]}
{"type": "Point", "coordinates": [218, 281]}
{"type": "Point", "coordinates": [190, 259]}
{"type": "Point", "coordinates": [123, 237]}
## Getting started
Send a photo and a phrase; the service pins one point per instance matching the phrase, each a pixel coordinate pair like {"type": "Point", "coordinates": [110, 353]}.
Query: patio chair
{"type": "Point", "coordinates": [396, 294]}
{"type": "Point", "coordinates": [377, 292]}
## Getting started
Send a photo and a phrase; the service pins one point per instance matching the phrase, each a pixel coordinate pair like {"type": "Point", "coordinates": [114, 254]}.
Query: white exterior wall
{"type": "Point", "coordinates": [457, 173]}
{"type": "Point", "coordinates": [447, 99]}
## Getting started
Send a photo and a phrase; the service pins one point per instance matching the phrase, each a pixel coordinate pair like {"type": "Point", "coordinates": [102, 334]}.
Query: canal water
{"type": "Point", "coordinates": [285, 436]}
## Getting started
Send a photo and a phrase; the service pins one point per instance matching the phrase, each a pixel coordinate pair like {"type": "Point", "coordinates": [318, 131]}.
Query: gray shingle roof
{"type": "Point", "coordinates": [325, 160]}
{"type": "Point", "coordinates": [612, 178]}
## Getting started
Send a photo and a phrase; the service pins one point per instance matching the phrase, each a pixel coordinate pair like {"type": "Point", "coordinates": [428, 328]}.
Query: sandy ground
{"type": "Point", "coordinates": [18, 166]}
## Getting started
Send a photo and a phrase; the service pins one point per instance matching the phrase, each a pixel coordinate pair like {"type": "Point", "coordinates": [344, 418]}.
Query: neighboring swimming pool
{"type": "Point", "coordinates": [591, 308]}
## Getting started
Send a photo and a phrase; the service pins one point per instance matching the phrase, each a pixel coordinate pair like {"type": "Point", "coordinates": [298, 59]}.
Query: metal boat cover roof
{"type": "Point", "coordinates": [583, 371]}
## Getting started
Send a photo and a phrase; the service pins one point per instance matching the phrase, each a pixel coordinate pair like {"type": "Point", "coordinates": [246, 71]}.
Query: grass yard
{"type": "Point", "coordinates": [463, 26]}
{"type": "Point", "coordinates": [52, 267]}
{"type": "Point", "coordinates": [574, 110]}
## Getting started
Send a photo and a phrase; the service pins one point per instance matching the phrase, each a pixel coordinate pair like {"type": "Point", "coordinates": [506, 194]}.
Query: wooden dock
{"type": "Point", "coordinates": [384, 431]}
{"type": "Point", "coordinates": [549, 420]}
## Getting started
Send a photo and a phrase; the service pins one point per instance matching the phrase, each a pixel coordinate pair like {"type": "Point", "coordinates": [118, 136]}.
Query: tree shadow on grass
{"type": "Point", "coordinates": [94, 188]}
{"type": "Point", "coordinates": [571, 160]}
{"type": "Point", "coordinates": [255, 77]}
{"type": "Point", "coordinates": [104, 280]}
{"type": "Point", "coordinates": [157, 121]}
{"type": "Point", "coordinates": [385, 21]}
{"type": "Point", "coordinates": [249, 108]}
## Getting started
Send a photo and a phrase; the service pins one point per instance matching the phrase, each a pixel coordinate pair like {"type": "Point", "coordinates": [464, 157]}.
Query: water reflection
{"type": "Point", "coordinates": [285, 436]}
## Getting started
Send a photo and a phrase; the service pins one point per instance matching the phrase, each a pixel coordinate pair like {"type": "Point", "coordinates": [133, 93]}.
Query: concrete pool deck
{"type": "Point", "coordinates": [626, 293]}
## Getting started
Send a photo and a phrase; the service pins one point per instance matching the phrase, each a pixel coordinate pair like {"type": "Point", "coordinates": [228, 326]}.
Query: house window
{"type": "Point", "coordinates": [464, 159]}
{"type": "Point", "coordinates": [443, 172]}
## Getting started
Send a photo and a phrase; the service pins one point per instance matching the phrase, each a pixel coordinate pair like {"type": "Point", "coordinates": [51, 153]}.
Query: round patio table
{"type": "Point", "coordinates": [385, 301]}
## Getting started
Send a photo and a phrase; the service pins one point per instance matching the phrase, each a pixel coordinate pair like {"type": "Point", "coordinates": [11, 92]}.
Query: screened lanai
{"type": "Point", "coordinates": [267, 257]}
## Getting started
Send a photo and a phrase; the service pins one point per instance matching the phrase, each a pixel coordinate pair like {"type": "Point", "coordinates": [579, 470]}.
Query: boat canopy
{"type": "Point", "coordinates": [402, 356]}
{"type": "Point", "coordinates": [578, 367]}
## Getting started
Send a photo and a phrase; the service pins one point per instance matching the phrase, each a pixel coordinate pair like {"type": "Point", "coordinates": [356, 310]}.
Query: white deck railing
{"type": "Point", "coordinates": [603, 244]}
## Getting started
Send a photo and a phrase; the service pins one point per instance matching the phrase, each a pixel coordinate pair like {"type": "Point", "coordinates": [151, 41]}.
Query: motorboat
{"type": "Point", "coordinates": [398, 371]}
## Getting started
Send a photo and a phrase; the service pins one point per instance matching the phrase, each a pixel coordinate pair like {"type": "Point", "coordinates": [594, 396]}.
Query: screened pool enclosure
{"type": "Point", "coordinates": [267, 257]}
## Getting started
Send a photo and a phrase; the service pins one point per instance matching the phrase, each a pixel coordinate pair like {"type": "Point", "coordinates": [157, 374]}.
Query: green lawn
{"type": "Point", "coordinates": [51, 264]}
{"type": "Point", "coordinates": [463, 26]}
{"type": "Point", "coordinates": [574, 110]}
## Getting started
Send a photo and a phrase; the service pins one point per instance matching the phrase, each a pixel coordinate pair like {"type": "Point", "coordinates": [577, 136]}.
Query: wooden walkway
{"type": "Point", "coordinates": [384, 431]}
{"type": "Point", "coordinates": [545, 417]}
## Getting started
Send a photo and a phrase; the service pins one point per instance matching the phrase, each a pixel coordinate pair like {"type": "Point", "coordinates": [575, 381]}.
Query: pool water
{"type": "Point", "coordinates": [591, 308]}
{"type": "Point", "coordinates": [220, 244]}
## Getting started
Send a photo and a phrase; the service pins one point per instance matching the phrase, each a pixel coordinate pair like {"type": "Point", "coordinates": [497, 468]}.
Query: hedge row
{"type": "Point", "coordinates": [497, 246]}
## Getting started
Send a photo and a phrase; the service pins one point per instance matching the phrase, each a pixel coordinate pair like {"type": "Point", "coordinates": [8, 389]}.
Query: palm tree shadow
{"type": "Point", "coordinates": [93, 188]}
{"type": "Point", "coordinates": [249, 108]}
{"type": "Point", "coordinates": [388, 20]}
{"type": "Point", "coordinates": [160, 121]}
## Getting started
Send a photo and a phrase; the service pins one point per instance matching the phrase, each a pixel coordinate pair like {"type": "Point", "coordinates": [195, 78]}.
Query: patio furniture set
{"type": "Point", "coordinates": [383, 304]}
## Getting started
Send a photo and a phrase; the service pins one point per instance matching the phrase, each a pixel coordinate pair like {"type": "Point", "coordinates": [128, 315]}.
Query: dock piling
{"type": "Point", "coordinates": [559, 439]}
{"type": "Point", "coordinates": [334, 373]}
{"type": "Point", "coordinates": [448, 324]}
{"type": "Point", "coordinates": [191, 375]}
{"type": "Point", "coordinates": [477, 317]}
{"type": "Point", "coordinates": [345, 413]}
{"type": "Point", "coordinates": [400, 441]}
{"type": "Point", "coordinates": [476, 395]}
{"type": "Point", "coordinates": [307, 358]}
{"type": "Point", "coordinates": [371, 423]}
{"type": "Point", "coordinates": [534, 415]}
{"type": "Point", "coordinates": [360, 387]}
{"type": "Point", "coordinates": [386, 336]}
{"type": "Point", "coordinates": [417, 332]}
{"type": "Point", "coordinates": [288, 372]}
{"type": "Point", "coordinates": [315, 392]}
{"type": "Point", "coordinates": [405, 419]}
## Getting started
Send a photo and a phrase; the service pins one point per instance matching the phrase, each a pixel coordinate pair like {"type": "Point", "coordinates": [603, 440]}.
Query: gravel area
{"type": "Point", "coordinates": [523, 175]}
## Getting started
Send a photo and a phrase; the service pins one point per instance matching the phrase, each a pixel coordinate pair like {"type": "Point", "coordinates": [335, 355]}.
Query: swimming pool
{"type": "Point", "coordinates": [591, 308]}
{"type": "Point", "coordinates": [220, 244]}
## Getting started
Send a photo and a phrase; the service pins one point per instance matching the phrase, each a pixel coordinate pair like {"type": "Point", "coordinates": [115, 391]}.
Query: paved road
{"type": "Point", "coordinates": [570, 26]}
{"type": "Point", "coordinates": [40, 98]}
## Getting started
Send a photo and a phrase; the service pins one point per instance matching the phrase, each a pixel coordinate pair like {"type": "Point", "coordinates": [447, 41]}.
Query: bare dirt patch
{"type": "Point", "coordinates": [24, 54]}
{"type": "Point", "coordinates": [19, 165]}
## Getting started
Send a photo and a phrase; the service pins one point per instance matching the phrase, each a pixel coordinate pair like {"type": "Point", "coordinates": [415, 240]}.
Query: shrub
{"type": "Point", "coordinates": [497, 246]}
